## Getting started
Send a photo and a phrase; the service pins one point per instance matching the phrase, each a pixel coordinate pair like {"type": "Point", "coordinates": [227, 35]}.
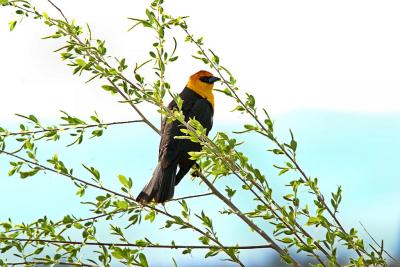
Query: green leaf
{"type": "Point", "coordinates": [313, 220]}
{"type": "Point", "coordinates": [110, 88]}
{"type": "Point", "coordinates": [283, 171]}
{"type": "Point", "coordinates": [150, 216]}
{"type": "Point", "coordinates": [250, 127]}
{"type": "Point", "coordinates": [187, 251]}
{"type": "Point", "coordinates": [123, 180]}
{"type": "Point", "coordinates": [277, 151]}
{"type": "Point", "coordinates": [122, 204]}
{"type": "Point", "coordinates": [143, 260]}
{"type": "Point", "coordinates": [38, 250]}
{"type": "Point", "coordinates": [215, 59]}
{"type": "Point", "coordinates": [251, 101]}
{"type": "Point", "coordinates": [12, 24]}
{"type": "Point", "coordinates": [172, 59]}
{"type": "Point", "coordinates": [287, 240]}
{"type": "Point", "coordinates": [205, 240]}
{"type": "Point", "coordinates": [3, 2]}
{"type": "Point", "coordinates": [117, 253]}
{"type": "Point", "coordinates": [67, 219]}
{"type": "Point", "coordinates": [231, 192]}
{"type": "Point", "coordinates": [33, 118]}
{"type": "Point", "coordinates": [78, 225]}
{"type": "Point", "coordinates": [238, 108]}
{"type": "Point", "coordinates": [293, 143]}
{"type": "Point", "coordinates": [80, 62]}
{"type": "Point", "coordinates": [24, 175]}
{"type": "Point", "coordinates": [93, 171]}
{"type": "Point", "coordinates": [81, 191]}
{"type": "Point", "coordinates": [206, 220]}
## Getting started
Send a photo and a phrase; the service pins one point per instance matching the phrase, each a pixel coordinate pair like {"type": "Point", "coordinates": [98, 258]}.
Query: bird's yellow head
{"type": "Point", "coordinates": [202, 82]}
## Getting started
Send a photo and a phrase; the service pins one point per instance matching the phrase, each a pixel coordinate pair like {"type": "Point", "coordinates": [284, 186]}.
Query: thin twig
{"type": "Point", "coordinates": [50, 263]}
{"type": "Point", "coordinates": [145, 120]}
{"type": "Point", "coordinates": [373, 239]}
{"type": "Point", "coordinates": [130, 244]}
{"type": "Point", "coordinates": [68, 128]}
{"type": "Point", "coordinates": [59, 10]}
{"type": "Point", "coordinates": [66, 175]}
{"type": "Point", "coordinates": [188, 197]}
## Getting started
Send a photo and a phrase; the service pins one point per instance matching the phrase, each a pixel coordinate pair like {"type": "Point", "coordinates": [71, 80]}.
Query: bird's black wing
{"type": "Point", "coordinates": [174, 152]}
{"type": "Point", "coordinates": [169, 146]}
{"type": "Point", "coordinates": [203, 113]}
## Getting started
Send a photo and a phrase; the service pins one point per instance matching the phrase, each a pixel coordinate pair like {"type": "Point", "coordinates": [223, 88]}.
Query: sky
{"type": "Point", "coordinates": [337, 56]}
{"type": "Point", "coordinates": [327, 70]}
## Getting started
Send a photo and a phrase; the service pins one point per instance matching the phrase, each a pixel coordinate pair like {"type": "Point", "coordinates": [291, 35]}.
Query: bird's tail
{"type": "Point", "coordinates": [161, 186]}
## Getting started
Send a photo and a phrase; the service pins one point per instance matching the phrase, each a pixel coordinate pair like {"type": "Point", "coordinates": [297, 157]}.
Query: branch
{"type": "Point", "coordinates": [255, 117]}
{"type": "Point", "coordinates": [114, 212]}
{"type": "Point", "coordinates": [126, 197]}
{"type": "Point", "coordinates": [188, 197]}
{"type": "Point", "coordinates": [215, 191]}
{"type": "Point", "coordinates": [229, 203]}
{"type": "Point", "coordinates": [132, 245]}
{"type": "Point", "coordinates": [88, 52]}
{"type": "Point", "coordinates": [145, 120]}
{"type": "Point", "coordinates": [69, 128]}
{"type": "Point", "coordinates": [67, 175]}
{"type": "Point", "coordinates": [50, 263]}
{"type": "Point", "coordinates": [59, 10]}
{"type": "Point", "coordinates": [381, 246]}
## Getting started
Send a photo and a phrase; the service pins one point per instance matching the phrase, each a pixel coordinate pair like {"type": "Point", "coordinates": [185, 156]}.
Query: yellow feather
{"type": "Point", "coordinates": [201, 88]}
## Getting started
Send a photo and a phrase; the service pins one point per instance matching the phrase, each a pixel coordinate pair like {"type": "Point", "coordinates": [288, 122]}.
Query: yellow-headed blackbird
{"type": "Point", "coordinates": [198, 103]}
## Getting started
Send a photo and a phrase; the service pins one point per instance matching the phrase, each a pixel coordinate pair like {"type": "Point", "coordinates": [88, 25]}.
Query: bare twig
{"type": "Point", "coordinates": [59, 10]}
{"type": "Point", "coordinates": [189, 197]}
{"type": "Point", "coordinates": [29, 240]}
{"type": "Point", "coordinates": [50, 263]}
{"type": "Point", "coordinates": [384, 250]}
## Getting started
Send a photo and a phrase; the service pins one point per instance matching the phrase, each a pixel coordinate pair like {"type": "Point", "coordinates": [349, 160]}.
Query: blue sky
{"type": "Point", "coordinates": [357, 151]}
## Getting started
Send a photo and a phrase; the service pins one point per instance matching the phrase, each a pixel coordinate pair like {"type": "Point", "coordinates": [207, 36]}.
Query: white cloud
{"type": "Point", "coordinates": [341, 55]}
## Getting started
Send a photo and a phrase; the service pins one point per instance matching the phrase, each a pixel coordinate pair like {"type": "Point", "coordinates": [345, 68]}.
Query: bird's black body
{"type": "Point", "coordinates": [173, 153]}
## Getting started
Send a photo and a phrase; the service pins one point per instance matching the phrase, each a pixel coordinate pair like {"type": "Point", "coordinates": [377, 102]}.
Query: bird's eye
{"type": "Point", "coordinates": [205, 79]}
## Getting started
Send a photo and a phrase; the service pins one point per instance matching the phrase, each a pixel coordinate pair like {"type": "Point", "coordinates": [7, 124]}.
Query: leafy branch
{"type": "Point", "coordinates": [5, 133]}
{"type": "Point", "coordinates": [220, 157]}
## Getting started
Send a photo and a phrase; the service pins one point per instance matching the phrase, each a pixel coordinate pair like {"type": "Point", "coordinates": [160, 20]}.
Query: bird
{"type": "Point", "coordinates": [198, 103]}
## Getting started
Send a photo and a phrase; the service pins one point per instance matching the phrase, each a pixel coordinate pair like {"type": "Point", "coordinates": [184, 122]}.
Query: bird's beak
{"type": "Point", "coordinates": [213, 79]}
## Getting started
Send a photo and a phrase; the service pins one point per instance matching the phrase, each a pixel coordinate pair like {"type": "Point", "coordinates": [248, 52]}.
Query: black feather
{"type": "Point", "coordinates": [174, 152]}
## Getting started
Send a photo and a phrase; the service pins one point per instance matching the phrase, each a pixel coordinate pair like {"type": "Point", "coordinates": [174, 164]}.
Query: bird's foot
{"type": "Point", "coordinates": [196, 171]}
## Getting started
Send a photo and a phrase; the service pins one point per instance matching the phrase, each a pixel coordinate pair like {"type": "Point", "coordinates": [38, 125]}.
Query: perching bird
{"type": "Point", "coordinates": [198, 103]}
